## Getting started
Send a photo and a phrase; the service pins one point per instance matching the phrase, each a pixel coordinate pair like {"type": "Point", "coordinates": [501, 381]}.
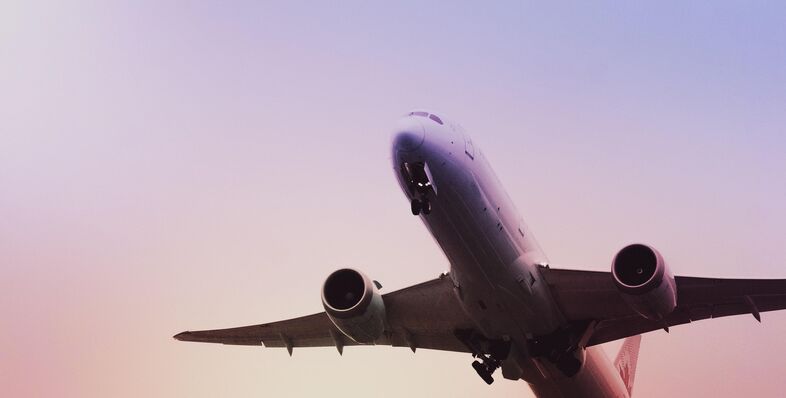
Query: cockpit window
{"type": "Point", "coordinates": [426, 114]}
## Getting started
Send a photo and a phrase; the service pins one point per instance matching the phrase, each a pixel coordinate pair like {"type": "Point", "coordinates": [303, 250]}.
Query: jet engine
{"type": "Point", "coordinates": [353, 303]}
{"type": "Point", "coordinates": [645, 281]}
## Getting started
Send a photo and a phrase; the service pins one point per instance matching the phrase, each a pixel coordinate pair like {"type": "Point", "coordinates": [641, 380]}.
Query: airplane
{"type": "Point", "coordinates": [501, 301]}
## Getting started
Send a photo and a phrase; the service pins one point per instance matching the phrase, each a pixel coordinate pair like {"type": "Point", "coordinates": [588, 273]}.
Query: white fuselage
{"type": "Point", "coordinates": [495, 261]}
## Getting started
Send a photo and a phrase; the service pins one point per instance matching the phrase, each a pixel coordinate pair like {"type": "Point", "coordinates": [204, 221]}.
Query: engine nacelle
{"type": "Point", "coordinates": [645, 281]}
{"type": "Point", "coordinates": [353, 303]}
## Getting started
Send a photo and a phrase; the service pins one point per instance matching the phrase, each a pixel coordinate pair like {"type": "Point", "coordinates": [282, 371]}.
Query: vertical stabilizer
{"type": "Point", "coordinates": [626, 361]}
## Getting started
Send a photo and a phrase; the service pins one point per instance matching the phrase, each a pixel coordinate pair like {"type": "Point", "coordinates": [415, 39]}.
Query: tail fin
{"type": "Point", "coordinates": [626, 361]}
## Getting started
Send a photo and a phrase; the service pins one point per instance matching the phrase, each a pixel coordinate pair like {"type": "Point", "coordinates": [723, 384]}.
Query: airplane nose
{"type": "Point", "coordinates": [409, 135]}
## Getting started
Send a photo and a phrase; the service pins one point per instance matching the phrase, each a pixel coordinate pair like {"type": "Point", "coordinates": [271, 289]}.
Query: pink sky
{"type": "Point", "coordinates": [165, 168]}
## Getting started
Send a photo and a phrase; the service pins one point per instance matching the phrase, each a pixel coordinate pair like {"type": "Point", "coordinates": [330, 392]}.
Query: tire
{"type": "Point", "coordinates": [569, 365]}
{"type": "Point", "coordinates": [482, 372]}
{"type": "Point", "coordinates": [426, 207]}
{"type": "Point", "coordinates": [416, 206]}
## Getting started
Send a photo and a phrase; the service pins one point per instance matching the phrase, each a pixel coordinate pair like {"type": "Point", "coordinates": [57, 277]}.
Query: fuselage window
{"type": "Point", "coordinates": [435, 118]}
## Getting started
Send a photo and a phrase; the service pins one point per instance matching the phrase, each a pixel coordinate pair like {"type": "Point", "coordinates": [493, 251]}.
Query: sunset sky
{"type": "Point", "coordinates": [170, 166]}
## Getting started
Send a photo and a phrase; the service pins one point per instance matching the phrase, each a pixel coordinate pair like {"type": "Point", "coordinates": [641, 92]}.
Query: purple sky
{"type": "Point", "coordinates": [173, 167]}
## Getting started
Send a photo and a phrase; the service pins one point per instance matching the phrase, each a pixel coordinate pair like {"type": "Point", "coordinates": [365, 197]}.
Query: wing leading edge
{"type": "Point", "coordinates": [591, 295]}
{"type": "Point", "coordinates": [420, 316]}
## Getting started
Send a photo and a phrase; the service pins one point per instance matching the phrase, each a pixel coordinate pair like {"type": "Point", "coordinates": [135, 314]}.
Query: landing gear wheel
{"type": "Point", "coordinates": [569, 365]}
{"type": "Point", "coordinates": [486, 367]}
{"type": "Point", "coordinates": [483, 372]}
{"type": "Point", "coordinates": [417, 206]}
{"type": "Point", "coordinates": [426, 207]}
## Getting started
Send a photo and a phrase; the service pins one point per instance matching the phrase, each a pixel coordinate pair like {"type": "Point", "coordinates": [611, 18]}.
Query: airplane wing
{"type": "Point", "coordinates": [591, 295]}
{"type": "Point", "coordinates": [420, 316]}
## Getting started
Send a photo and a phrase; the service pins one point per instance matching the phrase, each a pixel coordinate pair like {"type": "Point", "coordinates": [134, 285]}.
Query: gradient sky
{"type": "Point", "coordinates": [171, 166]}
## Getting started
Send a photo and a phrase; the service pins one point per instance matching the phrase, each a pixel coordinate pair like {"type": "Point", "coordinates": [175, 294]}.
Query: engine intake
{"type": "Point", "coordinates": [344, 289]}
{"type": "Point", "coordinates": [645, 281]}
{"type": "Point", "coordinates": [353, 303]}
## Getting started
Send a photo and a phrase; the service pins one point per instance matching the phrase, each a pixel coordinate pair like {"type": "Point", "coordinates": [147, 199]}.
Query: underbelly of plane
{"type": "Point", "coordinates": [485, 261]}
{"type": "Point", "coordinates": [497, 280]}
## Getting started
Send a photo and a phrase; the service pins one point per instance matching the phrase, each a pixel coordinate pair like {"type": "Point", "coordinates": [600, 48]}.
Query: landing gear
{"type": "Point", "coordinates": [564, 347]}
{"type": "Point", "coordinates": [489, 353]}
{"type": "Point", "coordinates": [420, 186]}
{"type": "Point", "coordinates": [416, 206]}
{"type": "Point", "coordinates": [486, 368]}
{"type": "Point", "coordinates": [569, 365]}
{"type": "Point", "coordinates": [420, 206]}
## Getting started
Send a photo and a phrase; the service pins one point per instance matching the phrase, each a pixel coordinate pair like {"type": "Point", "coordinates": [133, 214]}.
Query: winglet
{"type": "Point", "coordinates": [626, 361]}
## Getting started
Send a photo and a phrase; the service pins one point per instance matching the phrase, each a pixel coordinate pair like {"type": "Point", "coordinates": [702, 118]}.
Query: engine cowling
{"type": "Point", "coordinates": [353, 303]}
{"type": "Point", "coordinates": [645, 281]}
